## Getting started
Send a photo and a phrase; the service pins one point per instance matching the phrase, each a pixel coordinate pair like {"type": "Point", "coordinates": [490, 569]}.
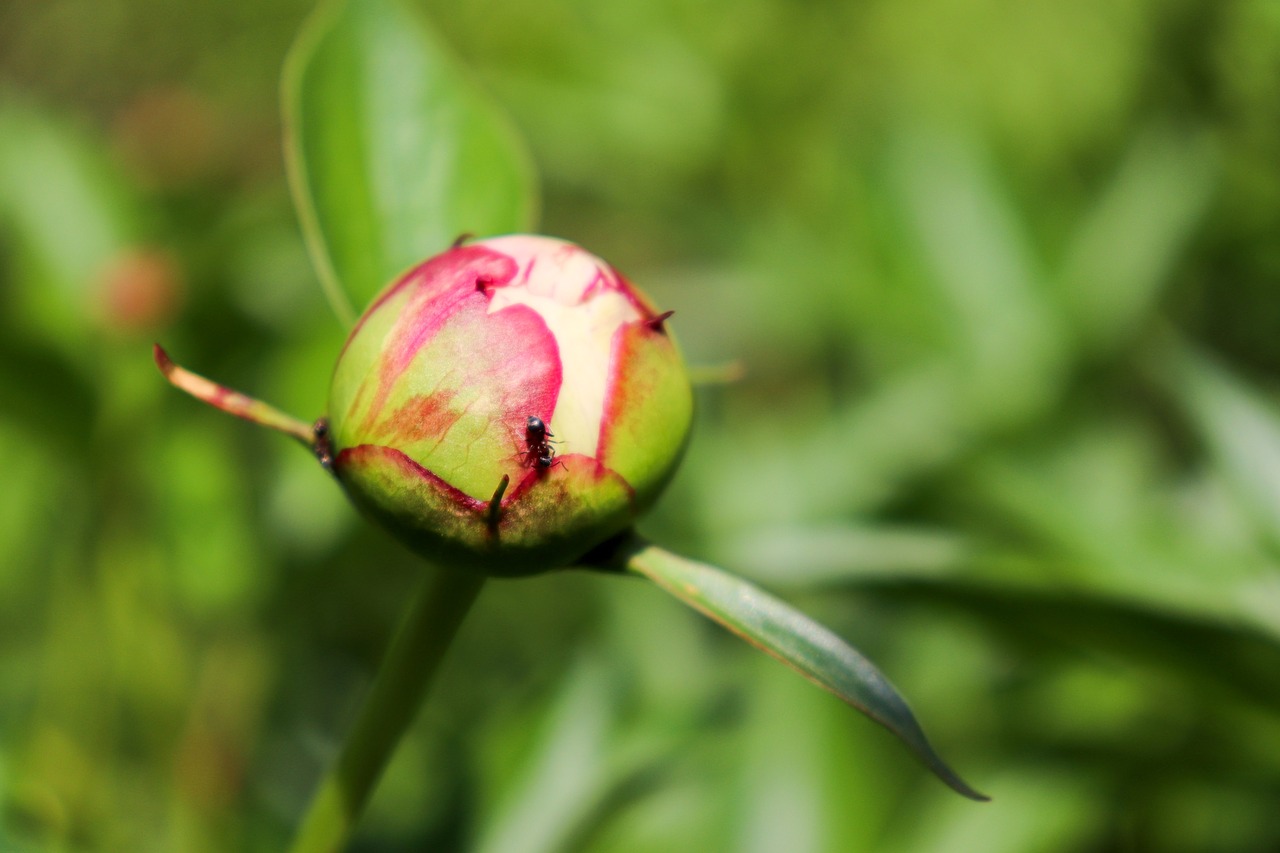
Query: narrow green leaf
{"type": "Point", "coordinates": [1120, 258]}
{"type": "Point", "coordinates": [567, 772]}
{"type": "Point", "coordinates": [1240, 426]}
{"type": "Point", "coordinates": [66, 216]}
{"type": "Point", "coordinates": [586, 766]}
{"type": "Point", "coordinates": [815, 555]}
{"type": "Point", "coordinates": [1209, 653]}
{"type": "Point", "coordinates": [392, 151]}
{"type": "Point", "coordinates": [1009, 343]}
{"type": "Point", "coordinates": [802, 644]}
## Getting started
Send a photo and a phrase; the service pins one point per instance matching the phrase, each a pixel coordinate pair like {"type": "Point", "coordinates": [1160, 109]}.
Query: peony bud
{"type": "Point", "coordinates": [508, 405]}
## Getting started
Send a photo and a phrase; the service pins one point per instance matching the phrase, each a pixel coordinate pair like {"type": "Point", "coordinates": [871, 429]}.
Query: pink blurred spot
{"type": "Point", "coordinates": [139, 290]}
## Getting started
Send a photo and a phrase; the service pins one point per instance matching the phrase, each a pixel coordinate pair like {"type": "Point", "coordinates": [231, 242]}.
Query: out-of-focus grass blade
{"type": "Point", "coordinates": [788, 635]}
{"type": "Point", "coordinates": [1122, 253]}
{"type": "Point", "coordinates": [28, 504]}
{"type": "Point", "coordinates": [392, 152]}
{"type": "Point", "coordinates": [1241, 428]}
{"type": "Point", "coordinates": [566, 773]}
{"type": "Point", "coordinates": [782, 770]}
{"type": "Point", "coordinates": [1008, 340]}
{"type": "Point", "coordinates": [1047, 809]}
{"type": "Point", "coordinates": [1239, 658]}
{"type": "Point", "coordinates": [66, 213]}
{"type": "Point", "coordinates": [583, 772]}
{"type": "Point", "coordinates": [804, 788]}
{"type": "Point", "coordinates": [1102, 515]}
{"type": "Point", "coordinates": [1198, 636]}
{"type": "Point", "coordinates": [821, 554]}
{"type": "Point", "coordinates": [903, 429]}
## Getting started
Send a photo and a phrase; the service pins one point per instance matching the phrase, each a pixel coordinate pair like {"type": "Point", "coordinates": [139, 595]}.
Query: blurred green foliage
{"type": "Point", "coordinates": [1004, 280]}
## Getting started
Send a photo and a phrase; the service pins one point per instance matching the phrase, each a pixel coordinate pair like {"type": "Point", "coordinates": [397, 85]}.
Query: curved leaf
{"type": "Point", "coordinates": [392, 151]}
{"type": "Point", "coordinates": [775, 627]}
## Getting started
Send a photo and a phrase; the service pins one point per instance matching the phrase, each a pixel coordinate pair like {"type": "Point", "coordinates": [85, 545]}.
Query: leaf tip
{"type": "Point", "coordinates": [958, 785]}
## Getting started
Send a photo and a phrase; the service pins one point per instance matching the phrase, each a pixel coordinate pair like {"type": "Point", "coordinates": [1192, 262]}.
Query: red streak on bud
{"type": "Point", "coordinates": [439, 288]}
{"type": "Point", "coordinates": [460, 266]}
{"type": "Point", "coordinates": [635, 297]}
{"type": "Point", "coordinates": [425, 414]}
{"type": "Point", "coordinates": [630, 388]}
{"type": "Point", "coordinates": [356, 455]}
{"type": "Point", "coordinates": [604, 282]}
{"type": "Point", "coordinates": [505, 366]}
{"type": "Point", "coordinates": [574, 467]}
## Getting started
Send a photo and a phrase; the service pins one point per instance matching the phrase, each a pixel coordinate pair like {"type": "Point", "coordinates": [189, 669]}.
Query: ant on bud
{"type": "Point", "coordinates": [536, 429]}
{"type": "Point", "coordinates": [540, 453]}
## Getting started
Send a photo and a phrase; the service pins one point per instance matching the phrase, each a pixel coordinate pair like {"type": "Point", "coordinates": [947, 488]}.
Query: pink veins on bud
{"type": "Point", "coordinates": [469, 344]}
{"type": "Point", "coordinates": [452, 381]}
{"type": "Point", "coordinates": [435, 289]}
{"type": "Point", "coordinates": [584, 303]}
{"type": "Point", "coordinates": [432, 398]}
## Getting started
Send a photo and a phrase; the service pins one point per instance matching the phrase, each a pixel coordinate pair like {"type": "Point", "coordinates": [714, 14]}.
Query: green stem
{"type": "Point", "coordinates": [398, 690]}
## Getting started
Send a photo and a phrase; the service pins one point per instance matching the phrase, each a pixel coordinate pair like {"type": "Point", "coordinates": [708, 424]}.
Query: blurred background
{"type": "Point", "coordinates": [1003, 277]}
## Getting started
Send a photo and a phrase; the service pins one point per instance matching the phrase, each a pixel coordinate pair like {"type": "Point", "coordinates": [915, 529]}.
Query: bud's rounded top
{"type": "Point", "coordinates": [508, 405]}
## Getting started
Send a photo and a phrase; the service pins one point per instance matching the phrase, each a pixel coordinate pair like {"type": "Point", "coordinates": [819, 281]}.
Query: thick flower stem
{"type": "Point", "coordinates": [398, 690]}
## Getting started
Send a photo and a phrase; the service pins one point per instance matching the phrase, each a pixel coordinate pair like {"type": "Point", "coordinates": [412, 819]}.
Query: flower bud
{"type": "Point", "coordinates": [508, 405]}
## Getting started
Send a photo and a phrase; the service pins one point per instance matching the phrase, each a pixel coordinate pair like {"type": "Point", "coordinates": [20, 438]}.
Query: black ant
{"type": "Point", "coordinates": [540, 453]}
